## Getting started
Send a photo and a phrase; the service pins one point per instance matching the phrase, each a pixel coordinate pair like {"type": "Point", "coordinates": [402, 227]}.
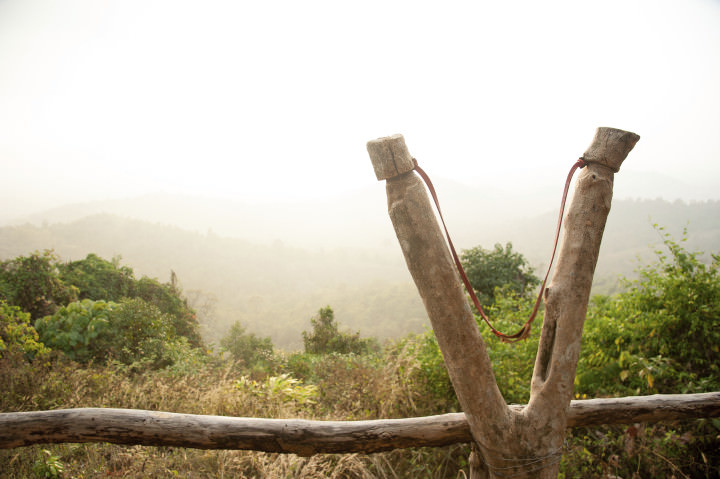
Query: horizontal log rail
{"type": "Point", "coordinates": [305, 437]}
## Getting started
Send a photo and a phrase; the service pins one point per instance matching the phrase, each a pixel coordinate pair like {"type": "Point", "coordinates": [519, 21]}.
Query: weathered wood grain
{"type": "Point", "coordinates": [304, 437]}
{"type": "Point", "coordinates": [539, 431]}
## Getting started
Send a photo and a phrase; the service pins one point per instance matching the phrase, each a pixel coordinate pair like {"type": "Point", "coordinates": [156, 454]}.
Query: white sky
{"type": "Point", "coordinates": [271, 99]}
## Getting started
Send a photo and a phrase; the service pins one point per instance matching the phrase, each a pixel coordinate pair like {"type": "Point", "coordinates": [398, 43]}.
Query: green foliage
{"type": "Point", "coordinates": [680, 299]}
{"type": "Point", "coordinates": [80, 329]}
{"type": "Point", "coordinates": [346, 387]}
{"type": "Point", "coordinates": [33, 283]}
{"type": "Point", "coordinates": [502, 279]}
{"type": "Point", "coordinates": [512, 363]}
{"type": "Point", "coordinates": [40, 284]}
{"type": "Point", "coordinates": [338, 376]}
{"type": "Point", "coordinates": [325, 337]}
{"type": "Point", "coordinates": [17, 334]}
{"type": "Point", "coordinates": [302, 365]}
{"type": "Point", "coordinates": [254, 352]}
{"type": "Point", "coordinates": [96, 278]}
{"type": "Point", "coordinates": [677, 449]}
{"type": "Point", "coordinates": [185, 359]}
{"type": "Point", "coordinates": [132, 332]}
{"type": "Point", "coordinates": [283, 389]}
{"type": "Point", "coordinates": [436, 393]}
{"type": "Point", "coordinates": [499, 267]}
{"type": "Point", "coordinates": [356, 387]}
{"type": "Point", "coordinates": [167, 297]}
{"type": "Point", "coordinates": [661, 335]}
{"type": "Point", "coordinates": [49, 465]}
{"type": "Point", "coordinates": [140, 333]}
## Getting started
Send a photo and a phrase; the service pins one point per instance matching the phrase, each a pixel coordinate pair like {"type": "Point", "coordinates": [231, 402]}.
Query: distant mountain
{"type": "Point", "coordinates": [356, 219]}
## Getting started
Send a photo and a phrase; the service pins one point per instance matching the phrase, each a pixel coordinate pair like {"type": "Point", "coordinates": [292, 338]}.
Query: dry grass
{"type": "Point", "coordinates": [212, 389]}
{"type": "Point", "coordinates": [347, 388]}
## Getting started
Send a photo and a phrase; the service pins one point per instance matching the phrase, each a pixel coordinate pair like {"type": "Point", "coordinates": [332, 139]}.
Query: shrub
{"type": "Point", "coordinates": [131, 331]}
{"type": "Point", "coordinates": [254, 352]}
{"type": "Point", "coordinates": [140, 332]}
{"type": "Point", "coordinates": [17, 334]}
{"type": "Point", "coordinates": [81, 329]}
{"type": "Point", "coordinates": [661, 335]}
{"type": "Point", "coordinates": [512, 363]}
{"type": "Point", "coordinates": [168, 299]}
{"type": "Point", "coordinates": [278, 394]}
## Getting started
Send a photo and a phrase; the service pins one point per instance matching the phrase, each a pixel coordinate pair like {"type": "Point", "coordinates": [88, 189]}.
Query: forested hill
{"type": "Point", "coordinates": [273, 289]}
{"type": "Point", "coordinates": [276, 286]}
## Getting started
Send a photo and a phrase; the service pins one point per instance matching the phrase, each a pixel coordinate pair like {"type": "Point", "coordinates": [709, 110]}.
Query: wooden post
{"type": "Point", "coordinates": [508, 442]}
{"type": "Point", "coordinates": [433, 270]}
{"type": "Point", "coordinates": [567, 296]}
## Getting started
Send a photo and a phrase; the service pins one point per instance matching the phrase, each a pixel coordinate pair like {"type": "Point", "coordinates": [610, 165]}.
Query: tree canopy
{"type": "Point", "coordinates": [92, 309]}
{"type": "Point", "coordinates": [326, 338]}
{"type": "Point", "coordinates": [33, 283]}
{"type": "Point", "coordinates": [499, 267]}
{"type": "Point", "coordinates": [247, 347]}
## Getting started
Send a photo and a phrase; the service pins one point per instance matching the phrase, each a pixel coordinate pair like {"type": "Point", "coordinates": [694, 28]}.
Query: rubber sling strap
{"type": "Point", "coordinates": [524, 332]}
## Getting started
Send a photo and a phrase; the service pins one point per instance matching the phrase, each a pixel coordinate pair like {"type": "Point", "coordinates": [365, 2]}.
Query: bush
{"type": "Point", "coordinates": [283, 391]}
{"type": "Point", "coordinates": [512, 363]}
{"type": "Point", "coordinates": [17, 334]}
{"type": "Point", "coordinates": [81, 329]}
{"type": "Point", "coordinates": [140, 332]}
{"type": "Point", "coordinates": [40, 285]}
{"type": "Point", "coordinates": [661, 335]}
{"type": "Point", "coordinates": [168, 299]}
{"type": "Point", "coordinates": [254, 352]}
{"type": "Point", "coordinates": [435, 391]}
{"type": "Point", "coordinates": [131, 331]}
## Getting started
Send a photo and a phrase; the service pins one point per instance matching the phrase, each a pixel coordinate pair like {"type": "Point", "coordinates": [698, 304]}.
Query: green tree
{"type": "Point", "coordinates": [167, 297]}
{"type": "Point", "coordinates": [140, 331]}
{"type": "Point", "coordinates": [499, 267]}
{"type": "Point", "coordinates": [33, 283]}
{"type": "Point", "coordinates": [247, 347]}
{"type": "Point", "coordinates": [96, 278]}
{"type": "Point", "coordinates": [325, 337]}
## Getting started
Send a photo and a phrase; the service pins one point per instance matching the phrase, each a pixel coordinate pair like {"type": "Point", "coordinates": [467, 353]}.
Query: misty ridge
{"type": "Point", "coordinates": [272, 265]}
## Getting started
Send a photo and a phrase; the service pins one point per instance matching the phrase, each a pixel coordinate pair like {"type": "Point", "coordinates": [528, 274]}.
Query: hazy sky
{"type": "Point", "coordinates": [278, 98]}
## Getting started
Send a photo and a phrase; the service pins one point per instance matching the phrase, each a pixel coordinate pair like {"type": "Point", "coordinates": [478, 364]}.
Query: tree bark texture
{"type": "Point", "coordinates": [525, 443]}
{"type": "Point", "coordinates": [302, 437]}
{"type": "Point", "coordinates": [428, 259]}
